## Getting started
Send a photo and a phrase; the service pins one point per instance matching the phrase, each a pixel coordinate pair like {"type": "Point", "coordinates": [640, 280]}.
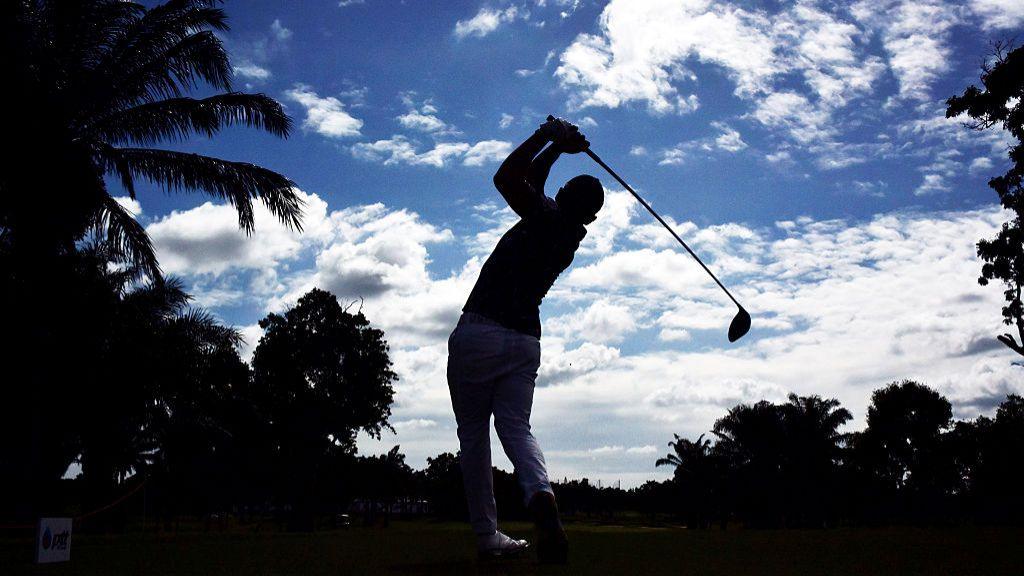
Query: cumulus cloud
{"type": "Point", "coordinates": [603, 322]}
{"type": "Point", "coordinates": [999, 14]}
{"type": "Point", "coordinates": [799, 68]}
{"type": "Point", "coordinates": [130, 204]}
{"type": "Point", "coordinates": [324, 115]}
{"type": "Point", "coordinates": [915, 34]}
{"type": "Point", "coordinates": [641, 50]}
{"type": "Point", "coordinates": [487, 20]}
{"type": "Point", "coordinates": [422, 117]}
{"type": "Point", "coordinates": [251, 71]}
{"type": "Point", "coordinates": [401, 150]}
{"type": "Point", "coordinates": [635, 331]}
{"type": "Point", "coordinates": [207, 240]}
{"type": "Point", "coordinates": [980, 165]}
{"type": "Point", "coordinates": [728, 139]}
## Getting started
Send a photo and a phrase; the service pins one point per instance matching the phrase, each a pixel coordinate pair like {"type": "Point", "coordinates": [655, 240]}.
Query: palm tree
{"type": "Point", "coordinates": [814, 453]}
{"type": "Point", "coordinates": [698, 477]}
{"type": "Point", "coordinates": [93, 85]}
{"type": "Point", "coordinates": [163, 368]}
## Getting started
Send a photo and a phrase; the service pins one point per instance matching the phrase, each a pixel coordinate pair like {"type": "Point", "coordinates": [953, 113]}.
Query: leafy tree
{"type": "Point", "coordinates": [902, 452]}
{"type": "Point", "coordinates": [320, 375]}
{"type": "Point", "coordinates": [382, 480]}
{"type": "Point", "coordinates": [96, 83]}
{"type": "Point", "coordinates": [1001, 101]}
{"type": "Point", "coordinates": [996, 476]}
{"type": "Point", "coordinates": [443, 482]}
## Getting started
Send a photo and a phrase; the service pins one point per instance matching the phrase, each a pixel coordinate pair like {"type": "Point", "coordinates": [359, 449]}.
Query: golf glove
{"type": "Point", "coordinates": [558, 130]}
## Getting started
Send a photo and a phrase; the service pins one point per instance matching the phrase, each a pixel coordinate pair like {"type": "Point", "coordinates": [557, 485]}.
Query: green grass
{"type": "Point", "coordinates": [444, 548]}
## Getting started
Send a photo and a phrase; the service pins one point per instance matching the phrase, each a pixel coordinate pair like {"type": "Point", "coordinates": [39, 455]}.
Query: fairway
{"type": "Point", "coordinates": [442, 548]}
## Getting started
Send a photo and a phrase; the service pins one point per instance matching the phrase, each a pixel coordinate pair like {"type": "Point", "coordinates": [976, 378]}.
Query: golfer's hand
{"type": "Point", "coordinates": [574, 144]}
{"type": "Point", "coordinates": [557, 129]}
{"type": "Point", "coordinates": [565, 135]}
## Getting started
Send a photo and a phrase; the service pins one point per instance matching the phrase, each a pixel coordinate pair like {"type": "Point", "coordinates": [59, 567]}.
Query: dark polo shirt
{"type": "Point", "coordinates": [523, 266]}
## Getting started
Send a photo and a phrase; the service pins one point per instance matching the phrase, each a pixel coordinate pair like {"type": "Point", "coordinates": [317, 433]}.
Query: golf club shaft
{"type": "Point", "coordinates": [663, 223]}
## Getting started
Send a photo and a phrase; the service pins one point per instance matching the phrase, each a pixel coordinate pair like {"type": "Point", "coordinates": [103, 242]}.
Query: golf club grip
{"type": "Point", "coordinates": [663, 223]}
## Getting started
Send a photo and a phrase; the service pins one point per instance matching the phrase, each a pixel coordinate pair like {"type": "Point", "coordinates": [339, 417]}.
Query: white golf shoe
{"type": "Point", "coordinates": [499, 545]}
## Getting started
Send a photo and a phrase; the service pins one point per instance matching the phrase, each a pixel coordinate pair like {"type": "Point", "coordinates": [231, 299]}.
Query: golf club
{"type": "Point", "coordinates": [741, 322]}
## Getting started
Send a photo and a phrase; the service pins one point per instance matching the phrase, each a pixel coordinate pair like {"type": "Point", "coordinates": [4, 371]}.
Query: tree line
{"type": "Point", "coordinates": [789, 465]}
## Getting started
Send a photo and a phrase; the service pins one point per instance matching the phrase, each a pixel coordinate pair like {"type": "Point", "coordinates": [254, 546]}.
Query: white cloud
{"type": "Point", "coordinates": [487, 151]}
{"type": "Point", "coordinates": [799, 69]}
{"type": "Point", "coordinates": [980, 165]}
{"type": "Point", "coordinates": [280, 32]}
{"type": "Point", "coordinates": [250, 339]}
{"type": "Point", "coordinates": [251, 71]}
{"type": "Point", "coordinates": [327, 115]}
{"type": "Point", "coordinates": [207, 240]}
{"type": "Point", "coordinates": [130, 204]}
{"type": "Point", "coordinates": [400, 150]}
{"type": "Point", "coordinates": [506, 120]}
{"type": "Point", "coordinates": [728, 140]}
{"type": "Point", "coordinates": [999, 14]}
{"type": "Point", "coordinates": [423, 122]}
{"type": "Point", "coordinates": [933, 184]}
{"type": "Point", "coordinates": [423, 117]}
{"type": "Point", "coordinates": [839, 308]}
{"type": "Point", "coordinates": [487, 20]}
{"type": "Point", "coordinates": [414, 424]}
{"type": "Point", "coordinates": [640, 53]}
{"type": "Point", "coordinates": [602, 322]}
{"type": "Point", "coordinates": [915, 34]}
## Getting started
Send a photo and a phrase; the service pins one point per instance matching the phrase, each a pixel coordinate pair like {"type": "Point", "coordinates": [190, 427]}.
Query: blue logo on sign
{"type": "Point", "coordinates": [47, 539]}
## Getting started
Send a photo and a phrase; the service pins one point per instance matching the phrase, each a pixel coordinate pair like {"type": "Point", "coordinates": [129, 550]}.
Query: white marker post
{"type": "Point", "coordinates": [53, 540]}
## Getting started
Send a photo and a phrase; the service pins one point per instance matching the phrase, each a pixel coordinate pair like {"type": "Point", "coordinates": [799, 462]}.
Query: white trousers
{"type": "Point", "coordinates": [492, 370]}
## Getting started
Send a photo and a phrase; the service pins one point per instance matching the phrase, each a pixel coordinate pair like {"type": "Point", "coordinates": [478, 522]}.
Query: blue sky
{"type": "Point", "coordinates": [800, 146]}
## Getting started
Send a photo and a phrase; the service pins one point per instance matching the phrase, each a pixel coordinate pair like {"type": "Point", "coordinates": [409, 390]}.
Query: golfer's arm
{"type": "Point", "coordinates": [513, 176]}
{"type": "Point", "coordinates": [541, 167]}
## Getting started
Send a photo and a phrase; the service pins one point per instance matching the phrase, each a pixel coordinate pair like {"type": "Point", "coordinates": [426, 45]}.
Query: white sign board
{"type": "Point", "coordinates": [53, 540]}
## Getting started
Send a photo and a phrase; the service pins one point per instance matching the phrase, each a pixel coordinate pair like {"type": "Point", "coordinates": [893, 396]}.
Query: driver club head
{"type": "Point", "coordinates": [740, 325]}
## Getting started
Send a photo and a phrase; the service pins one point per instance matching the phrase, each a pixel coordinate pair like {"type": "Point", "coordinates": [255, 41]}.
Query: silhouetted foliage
{"type": "Point", "coordinates": [320, 375]}
{"type": "Point", "coordinates": [1001, 101]}
{"type": "Point", "coordinates": [442, 480]}
{"type": "Point", "coordinates": [96, 82]}
{"type": "Point", "coordinates": [699, 479]}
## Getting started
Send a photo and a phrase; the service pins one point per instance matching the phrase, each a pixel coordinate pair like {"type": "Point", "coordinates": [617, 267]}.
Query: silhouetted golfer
{"type": "Point", "coordinates": [494, 352]}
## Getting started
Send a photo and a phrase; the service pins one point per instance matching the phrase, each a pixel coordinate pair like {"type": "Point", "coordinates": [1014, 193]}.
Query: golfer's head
{"type": "Point", "coordinates": [581, 198]}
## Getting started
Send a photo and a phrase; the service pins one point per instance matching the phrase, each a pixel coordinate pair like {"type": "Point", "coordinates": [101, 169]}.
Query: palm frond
{"type": "Point", "coordinates": [202, 328]}
{"type": "Point", "coordinates": [236, 182]}
{"type": "Point", "coordinates": [199, 56]}
{"type": "Point", "coordinates": [83, 31]}
{"type": "Point", "coordinates": [126, 239]}
{"type": "Point", "coordinates": [179, 118]}
{"type": "Point", "coordinates": [158, 29]}
{"type": "Point", "coordinates": [158, 299]}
